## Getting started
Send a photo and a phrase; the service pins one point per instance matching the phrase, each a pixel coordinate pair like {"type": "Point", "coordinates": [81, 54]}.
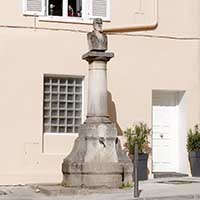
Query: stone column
{"type": "Point", "coordinates": [97, 117]}
{"type": "Point", "coordinates": [97, 87]}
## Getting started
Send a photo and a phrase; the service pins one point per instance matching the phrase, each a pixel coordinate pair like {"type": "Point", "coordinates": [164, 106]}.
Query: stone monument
{"type": "Point", "coordinates": [97, 159]}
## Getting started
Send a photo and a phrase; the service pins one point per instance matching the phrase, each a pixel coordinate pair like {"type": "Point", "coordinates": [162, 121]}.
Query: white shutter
{"type": "Point", "coordinates": [34, 7]}
{"type": "Point", "coordinates": [99, 9]}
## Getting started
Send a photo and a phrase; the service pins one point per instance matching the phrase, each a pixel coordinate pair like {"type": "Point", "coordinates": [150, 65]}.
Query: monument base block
{"type": "Point", "coordinates": [92, 175]}
{"type": "Point", "coordinates": [97, 159]}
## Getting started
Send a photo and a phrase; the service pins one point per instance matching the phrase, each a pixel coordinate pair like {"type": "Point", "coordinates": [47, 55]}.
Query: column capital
{"type": "Point", "coordinates": [97, 56]}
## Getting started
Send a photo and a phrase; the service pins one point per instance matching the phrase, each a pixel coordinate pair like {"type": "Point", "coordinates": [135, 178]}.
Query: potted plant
{"type": "Point", "coordinates": [193, 147]}
{"type": "Point", "coordinates": [138, 133]}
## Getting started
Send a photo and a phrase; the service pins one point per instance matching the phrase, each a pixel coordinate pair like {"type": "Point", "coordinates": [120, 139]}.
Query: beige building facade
{"type": "Point", "coordinates": [154, 77]}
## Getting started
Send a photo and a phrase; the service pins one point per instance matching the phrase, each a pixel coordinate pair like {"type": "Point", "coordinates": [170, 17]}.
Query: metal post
{"type": "Point", "coordinates": [136, 181]}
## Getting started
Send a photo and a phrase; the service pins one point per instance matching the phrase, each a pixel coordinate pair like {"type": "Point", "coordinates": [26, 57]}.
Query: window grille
{"type": "Point", "coordinates": [62, 106]}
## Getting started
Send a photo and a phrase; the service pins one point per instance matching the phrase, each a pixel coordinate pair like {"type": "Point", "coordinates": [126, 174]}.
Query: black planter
{"type": "Point", "coordinates": [194, 158]}
{"type": "Point", "coordinates": [142, 166]}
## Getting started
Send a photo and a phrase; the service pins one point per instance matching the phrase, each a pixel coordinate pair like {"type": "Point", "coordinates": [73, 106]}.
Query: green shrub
{"type": "Point", "coordinates": [126, 185]}
{"type": "Point", "coordinates": [193, 139]}
{"type": "Point", "coordinates": [137, 133]}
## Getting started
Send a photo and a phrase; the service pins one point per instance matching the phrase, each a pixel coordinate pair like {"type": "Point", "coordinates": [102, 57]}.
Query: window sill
{"type": "Point", "coordinates": [77, 20]}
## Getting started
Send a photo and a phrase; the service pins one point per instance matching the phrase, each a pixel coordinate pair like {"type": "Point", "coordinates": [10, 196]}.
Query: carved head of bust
{"type": "Point", "coordinates": [97, 24]}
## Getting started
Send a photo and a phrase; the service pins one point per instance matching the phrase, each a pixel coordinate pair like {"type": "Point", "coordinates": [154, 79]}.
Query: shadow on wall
{"type": "Point", "coordinates": [112, 113]}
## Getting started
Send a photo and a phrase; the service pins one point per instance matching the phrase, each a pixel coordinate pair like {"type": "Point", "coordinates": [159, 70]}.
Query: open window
{"type": "Point", "coordinates": [67, 9]}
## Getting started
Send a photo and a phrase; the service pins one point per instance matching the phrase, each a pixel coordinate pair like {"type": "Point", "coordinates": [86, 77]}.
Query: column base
{"type": "Point", "coordinates": [93, 175]}
{"type": "Point", "coordinates": [97, 159]}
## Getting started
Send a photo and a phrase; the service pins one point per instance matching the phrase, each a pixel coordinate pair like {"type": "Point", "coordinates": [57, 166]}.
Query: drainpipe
{"type": "Point", "coordinates": [139, 27]}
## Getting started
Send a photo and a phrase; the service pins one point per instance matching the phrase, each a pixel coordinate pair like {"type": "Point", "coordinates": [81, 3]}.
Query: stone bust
{"type": "Point", "coordinates": [97, 40]}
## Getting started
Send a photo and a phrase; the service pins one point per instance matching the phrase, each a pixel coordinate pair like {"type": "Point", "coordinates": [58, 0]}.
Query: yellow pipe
{"type": "Point", "coordinates": [139, 27]}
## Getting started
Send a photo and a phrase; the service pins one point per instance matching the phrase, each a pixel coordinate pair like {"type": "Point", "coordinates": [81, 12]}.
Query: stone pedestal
{"type": "Point", "coordinates": [97, 159]}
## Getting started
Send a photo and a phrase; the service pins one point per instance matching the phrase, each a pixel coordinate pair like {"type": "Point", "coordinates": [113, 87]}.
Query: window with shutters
{"type": "Point", "coordinates": [62, 104]}
{"type": "Point", "coordinates": [68, 9]}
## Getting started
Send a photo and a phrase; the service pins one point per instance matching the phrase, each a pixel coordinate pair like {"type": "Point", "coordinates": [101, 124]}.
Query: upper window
{"type": "Point", "coordinates": [76, 9]}
{"type": "Point", "coordinates": [66, 8]}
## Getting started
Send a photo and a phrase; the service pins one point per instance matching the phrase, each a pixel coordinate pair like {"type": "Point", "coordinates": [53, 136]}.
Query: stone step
{"type": "Point", "coordinates": [168, 174]}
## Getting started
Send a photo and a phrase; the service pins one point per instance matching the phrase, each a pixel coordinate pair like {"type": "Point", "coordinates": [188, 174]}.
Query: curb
{"type": "Point", "coordinates": [174, 197]}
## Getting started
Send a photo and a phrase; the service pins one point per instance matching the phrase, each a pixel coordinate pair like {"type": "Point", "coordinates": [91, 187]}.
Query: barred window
{"type": "Point", "coordinates": [62, 104]}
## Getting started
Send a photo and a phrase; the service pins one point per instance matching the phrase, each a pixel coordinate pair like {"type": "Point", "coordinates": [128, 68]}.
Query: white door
{"type": "Point", "coordinates": [164, 138]}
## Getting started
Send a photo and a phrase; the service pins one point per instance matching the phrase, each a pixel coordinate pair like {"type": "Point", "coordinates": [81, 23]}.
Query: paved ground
{"type": "Point", "coordinates": [167, 188]}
